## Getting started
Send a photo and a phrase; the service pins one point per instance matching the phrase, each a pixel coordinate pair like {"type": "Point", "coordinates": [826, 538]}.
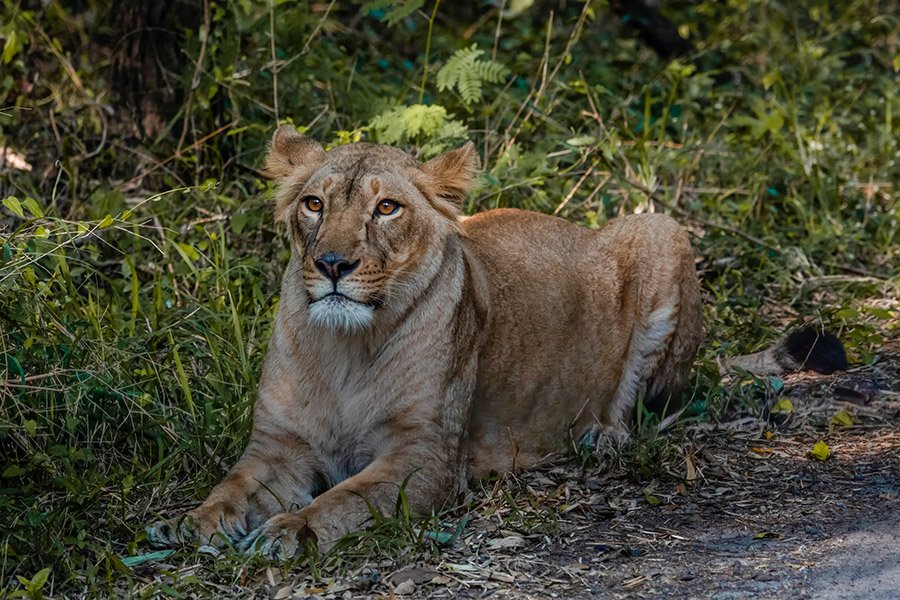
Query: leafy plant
{"type": "Point", "coordinates": [429, 127]}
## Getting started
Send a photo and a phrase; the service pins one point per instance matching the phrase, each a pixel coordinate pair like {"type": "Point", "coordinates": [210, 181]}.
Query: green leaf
{"type": "Point", "coordinates": [773, 122]}
{"type": "Point", "coordinates": [132, 561]}
{"type": "Point", "coordinates": [33, 207]}
{"type": "Point", "coordinates": [188, 252]}
{"type": "Point", "coordinates": [820, 451]}
{"type": "Point", "coordinates": [40, 578]}
{"type": "Point", "coordinates": [11, 47]}
{"type": "Point", "coordinates": [582, 140]}
{"type": "Point", "coordinates": [13, 471]}
{"type": "Point", "coordinates": [13, 204]}
{"type": "Point", "coordinates": [106, 222]}
{"type": "Point", "coordinates": [238, 221]}
{"type": "Point", "coordinates": [30, 427]}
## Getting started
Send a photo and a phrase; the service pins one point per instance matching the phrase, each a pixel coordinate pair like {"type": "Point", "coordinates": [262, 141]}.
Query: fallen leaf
{"type": "Point", "coordinates": [768, 535]}
{"type": "Point", "coordinates": [404, 588]}
{"type": "Point", "coordinates": [840, 419]}
{"type": "Point", "coordinates": [285, 592]}
{"type": "Point", "coordinates": [820, 451]}
{"type": "Point", "coordinates": [417, 575]}
{"type": "Point", "coordinates": [651, 499]}
{"type": "Point", "coordinates": [690, 469]}
{"type": "Point", "coordinates": [512, 541]}
{"type": "Point", "coordinates": [763, 451]}
{"type": "Point", "coordinates": [783, 406]}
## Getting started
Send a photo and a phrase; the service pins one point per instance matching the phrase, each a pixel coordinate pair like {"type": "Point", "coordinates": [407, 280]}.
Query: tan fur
{"type": "Point", "coordinates": [474, 346]}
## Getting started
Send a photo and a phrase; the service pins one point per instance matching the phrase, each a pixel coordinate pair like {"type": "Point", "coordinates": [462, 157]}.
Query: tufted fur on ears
{"type": "Point", "coordinates": [449, 178]}
{"type": "Point", "coordinates": [291, 160]}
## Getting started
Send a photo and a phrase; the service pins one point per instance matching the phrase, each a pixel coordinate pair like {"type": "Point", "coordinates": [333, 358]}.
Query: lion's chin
{"type": "Point", "coordinates": [336, 311]}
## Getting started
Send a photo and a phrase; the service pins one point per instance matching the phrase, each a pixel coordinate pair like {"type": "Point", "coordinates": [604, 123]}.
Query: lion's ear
{"type": "Point", "coordinates": [289, 152]}
{"type": "Point", "coordinates": [292, 159]}
{"type": "Point", "coordinates": [450, 174]}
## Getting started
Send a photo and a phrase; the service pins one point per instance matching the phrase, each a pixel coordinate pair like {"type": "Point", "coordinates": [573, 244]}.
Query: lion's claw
{"type": "Point", "coordinates": [279, 538]}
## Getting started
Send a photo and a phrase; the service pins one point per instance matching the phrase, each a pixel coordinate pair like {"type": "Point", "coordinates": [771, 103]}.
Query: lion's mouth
{"type": "Point", "coordinates": [338, 297]}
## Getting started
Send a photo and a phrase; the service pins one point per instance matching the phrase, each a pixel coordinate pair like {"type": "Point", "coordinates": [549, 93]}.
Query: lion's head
{"type": "Point", "coordinates": [367, 222]}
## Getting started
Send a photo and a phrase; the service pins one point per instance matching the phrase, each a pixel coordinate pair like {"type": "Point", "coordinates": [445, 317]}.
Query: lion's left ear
{"type": "Point", "coordinates": [450, 174]}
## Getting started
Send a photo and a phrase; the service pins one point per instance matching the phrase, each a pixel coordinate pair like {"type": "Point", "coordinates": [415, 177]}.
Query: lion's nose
{"type": "Point", "coordinates": [334, 266]}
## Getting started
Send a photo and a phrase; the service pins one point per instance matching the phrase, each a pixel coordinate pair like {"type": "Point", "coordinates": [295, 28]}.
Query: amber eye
{"type": "Point", "coordinates": [386, 207]}
{"type": "Point", "coordinates": [312, 204]}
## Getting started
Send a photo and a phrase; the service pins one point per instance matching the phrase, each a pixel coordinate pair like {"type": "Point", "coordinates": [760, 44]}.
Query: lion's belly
{"type": "Point", "coordinates": [538, 396]}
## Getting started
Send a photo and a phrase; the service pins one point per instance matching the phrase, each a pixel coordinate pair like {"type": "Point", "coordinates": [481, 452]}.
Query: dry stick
{"type": "Point", "coordinates": [545, 59]}
{"type": "Point", "coordinates": [274, 62]}
{"type": "Point", "coordinates": [497, 31]}
{"type": "Point", "coordinates": [178, 152]}
{"type": "Point", "coordinates": [576, 33]}
{"type": "Point", "coordinates": [198, 68]}
{"type": "Point", "coordinates": [574, 189]}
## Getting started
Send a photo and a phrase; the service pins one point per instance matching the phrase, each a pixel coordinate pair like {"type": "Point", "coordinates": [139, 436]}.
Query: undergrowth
{"type": "Point", "coordinates": [139, 266]}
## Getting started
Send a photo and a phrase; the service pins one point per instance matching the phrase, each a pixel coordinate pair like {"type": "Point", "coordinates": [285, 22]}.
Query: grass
{"type": "Point", "coordinates": [138, 282]}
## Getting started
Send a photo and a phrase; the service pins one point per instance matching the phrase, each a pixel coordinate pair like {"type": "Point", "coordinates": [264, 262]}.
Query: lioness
{"type": "Point", "coordinates": [410, 343]}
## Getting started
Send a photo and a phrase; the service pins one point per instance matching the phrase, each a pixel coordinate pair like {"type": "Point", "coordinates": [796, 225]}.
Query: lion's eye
{"type": "Point", "coordinates": [386, 207]}
{"type": "Point", "coordinates": [312, 204]}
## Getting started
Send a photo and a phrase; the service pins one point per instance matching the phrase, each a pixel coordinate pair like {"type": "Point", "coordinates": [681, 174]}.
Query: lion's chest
{"type": "Point", "coordinates": [347, 436]}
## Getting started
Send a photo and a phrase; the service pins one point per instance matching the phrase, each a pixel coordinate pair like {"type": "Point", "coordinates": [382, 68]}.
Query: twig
{"type": "Point", "coordinates": [274, 61]}
{"type": "Point", "coordinates": [198, 69]}
{"type": "Point", "coordinates": [428, 50]}
{"type": "Point", "coordinates": [497, 31]}
{"type": "Point", "coordinates": [178, 152]}
{"type": "Point", "coordinates": [545, 79]}
{"type": "Point", "coordinates": [574, 189]}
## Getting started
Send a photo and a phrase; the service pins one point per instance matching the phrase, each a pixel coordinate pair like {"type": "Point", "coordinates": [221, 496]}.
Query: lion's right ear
{"type": "Point", "coordinates": [290, 152]}
{"type": "Point", "coordinates": [292, 159]}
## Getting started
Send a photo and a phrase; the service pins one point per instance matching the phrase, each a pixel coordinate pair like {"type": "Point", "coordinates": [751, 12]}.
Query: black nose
{"type": "Point", "coordinates": [334, 266]}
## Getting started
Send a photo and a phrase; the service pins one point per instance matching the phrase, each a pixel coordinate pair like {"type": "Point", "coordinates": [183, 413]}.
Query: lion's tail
{"type": "Point", "coordinates": [804, 349]}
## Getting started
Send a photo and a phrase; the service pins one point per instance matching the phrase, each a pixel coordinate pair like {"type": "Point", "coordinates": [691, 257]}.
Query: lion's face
{"type": "Point", "coordinates": [366, 222]}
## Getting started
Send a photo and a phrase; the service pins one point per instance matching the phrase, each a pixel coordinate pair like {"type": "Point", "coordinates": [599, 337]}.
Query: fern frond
{"type": "Point", "coordinates": [466, 72]}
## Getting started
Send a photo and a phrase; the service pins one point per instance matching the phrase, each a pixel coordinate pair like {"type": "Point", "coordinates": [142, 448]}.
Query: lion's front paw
{"type": "Point", "coordinates": [280, 538]}
{"type": "Point", "coordinates": [217, 525]}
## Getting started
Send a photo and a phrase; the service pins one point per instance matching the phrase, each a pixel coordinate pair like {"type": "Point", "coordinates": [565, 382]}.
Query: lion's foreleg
{"type": "Point", "coordinates": [427, 482]}
{"type": "Point", "coordinates": [273, 475]}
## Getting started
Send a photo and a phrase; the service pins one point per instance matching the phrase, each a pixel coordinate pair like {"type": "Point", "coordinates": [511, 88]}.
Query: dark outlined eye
{"type": "Point", "coordinates": [386, 208]}
{"type": "Point", "coordinates": [312, 204]}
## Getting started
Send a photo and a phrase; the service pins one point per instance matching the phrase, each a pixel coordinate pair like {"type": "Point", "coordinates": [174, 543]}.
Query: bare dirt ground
{"type": "Point", "coordinates": [745, 511]}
